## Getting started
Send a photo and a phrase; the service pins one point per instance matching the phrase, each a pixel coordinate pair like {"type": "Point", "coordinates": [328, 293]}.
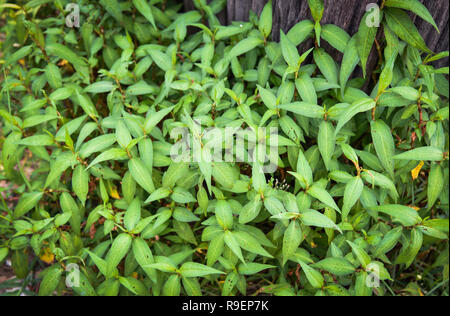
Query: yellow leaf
{"type": "Point", "coordinates": [47, 256]}
{"type": "Point", "coordinates": [114, 194]}
{"type": "Point", "coordinates": [416, 170]}
{"type": "Point", "coordinates": [63, 62]}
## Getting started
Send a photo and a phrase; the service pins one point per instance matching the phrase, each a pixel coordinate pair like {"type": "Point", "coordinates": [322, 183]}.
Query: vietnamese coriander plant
{"type": "Point", "coordinates": [93, 200]}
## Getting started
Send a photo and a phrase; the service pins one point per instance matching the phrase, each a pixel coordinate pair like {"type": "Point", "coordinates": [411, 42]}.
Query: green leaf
{"type": "Point", "coordinates": [335, 36]}
{"type": "Point", "coordinates": [336, 266]}
{"type": "Point", "coordinates": [314, 277]}
{"type": "Point", "coordinates": [289, 51]}
{"type": "Point", "coordinates": [243, 47]}
{"type": "Point", "coordinates": [119, 249]}
{"type": "Point", "coordinates": [304, 109]}
{"type": "Point", "coordinates": [400, 23]}
{"type": "Point", "coordinates": [326, 141]}
{"type": "Point", "coordinates": [123, 135]}
{"type": "Point", "coordinates": [50, 281]}
{"type": "Point", "coordinates": [414, 6]}
{"type": "Point", "coordinates": [359, 106]}
{"type": "Point", "coordinates": [435, 184]}
{"type": "Point", "coordinates": [362, 256]}
{"type": "Point", "coordinates": [100, 87]}
{"type": "Point", "coordinates": [110, 154]}
{"type": "Point", "coordinates": [146, 10]}
{"type": "Point", "coordinates": [364, 39]}
{"type": "Point", "coordinates": [247, 242]}
{"type": "Point", "coordinates": [323, 196]}
{"type": "Point", "coordinates": [352, 193]}
{"type": "Point", "coordinates": [315, 218]}
{"type": "Point", "coordinates": [224, 214]}
{"type": "Point", "coordinates": [193, 270]}
{"type": "Point", "coordinates": [144, 257]}
{"type": "Point", "coordinates": [402, 214]}
{"type": "Point", "coordinates": [416, 242]}
{"type": "Point", "coordinates": [389, 241]}
{"type": "Point", "coordinates": [326, 65]}
{"type": "Point", "coordinates": [349, 62]}
{"type": "Point", "coordinates": [232, 243]}
{"type": "Point", "coordinates": [162, 60]}
{"type": "Point", "coordinates": [63, 52]}
{"type": "Point", "coordinates": [155, 118]}
{"type": "Point", "coordinates": [27, 202]}
{"type": "Point", "coordinates": [132, 215]}
{"type": "Point", "coordinates": [384, 145]}
{"type": "Point", "coordinates": [37, 140]}
{"type": "Point", "coordinates": [422, 153]}
{"type": "Point", "coordinates": [265, 20]}
{"type": "Point", "coordinates": [305, 88]}
{"type": "Point", "coordinates": [317, 8]}
{"type": "Point", "coordinates": [252, 268]}
{"type": "Point", "coordinates": [141, 175]}
{"type": "Point", "coordinates": [37, 120]}
{"type": "Point", "coordinates": [215, 249]}
{"type": "Point", "coordinates": [291, 240]}
{"type": "Point", "coordinates": [80, 183]}
{"type": "Point", "coordinates": [172, 287]}
{"type": "Point", "coordinates": [113, 8]}
{"type": "Point", "coordinates": [300, 32]}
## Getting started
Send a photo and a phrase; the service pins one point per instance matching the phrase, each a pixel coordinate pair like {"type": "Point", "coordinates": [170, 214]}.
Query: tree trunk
{"type": "Point", "coordinates": [347, 14]}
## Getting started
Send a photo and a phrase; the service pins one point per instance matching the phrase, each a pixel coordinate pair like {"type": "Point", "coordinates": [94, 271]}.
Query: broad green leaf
{"type": "Point", "coordinates": [359, 106]}
{"type": "Point", "coordinates": [244, 46]}
{"type": "Point", "coordinates": [364, 40]}
{"type": "Point", "coordinates": [403, 214]}
{"type": "Point", "coordinates": [145, 9]}
{"type": "Point", "coordinates": [336, 266]}
{"type": "Point", "coordinates": [352, 193]}
{"type": "Point", "coordinates": [291, 240]}
{"type": "Point", "coordinates": [141, 175]}
{"type": "Point", "coordinates": [414, 6]}
{"type": "Point", "coordinates": [265, 20]}
{"type": "Point", "coordinates": [132, 215]}
{"type": "Point", "coordinates": [80, 183]}
{"type": "Point", "coordinates": [110, 154]}
{"type": "Point", "coordinates": [326, 65]}
{"type": "Point", "coordinates": [400, 23]}
{"type": "Point", "coordinates": [144, 257]}
{"type": "Point", "coordinates": [27, 202]}
{"type": "Point", "coordinates": [315, 218]}
{"type": "Point", "coordinates": [314, 277]}
{"type": "Point", "coordinates": [360, 254]}
{"type": "Point", "coordinates": [326, 141]}
{"type": "Point", "coordinates": [436, 183]}
{"type": "Point", "coordinates": [289, 51]}
{"type": "Point", "coordinates": [193, 269]}
{"type": "Point", "coordinates": [422, 153]}
{"type": "Point", "coordinates": [119, 249]}
{"type": "Point", "coordinates": [323, 196]}
{"type": "Point", "coordinates": [335, 36]}
{"type": "Point", "coordinates": [50, 281]}
{"type": "Point", "coordinates": [384, 145]}
{"type": "Point", "coordinates": [304, 109]}
{"type": "Point", "coordinates": [349, 62]}
{"type": "Point", "coordinates": [224, 214]}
